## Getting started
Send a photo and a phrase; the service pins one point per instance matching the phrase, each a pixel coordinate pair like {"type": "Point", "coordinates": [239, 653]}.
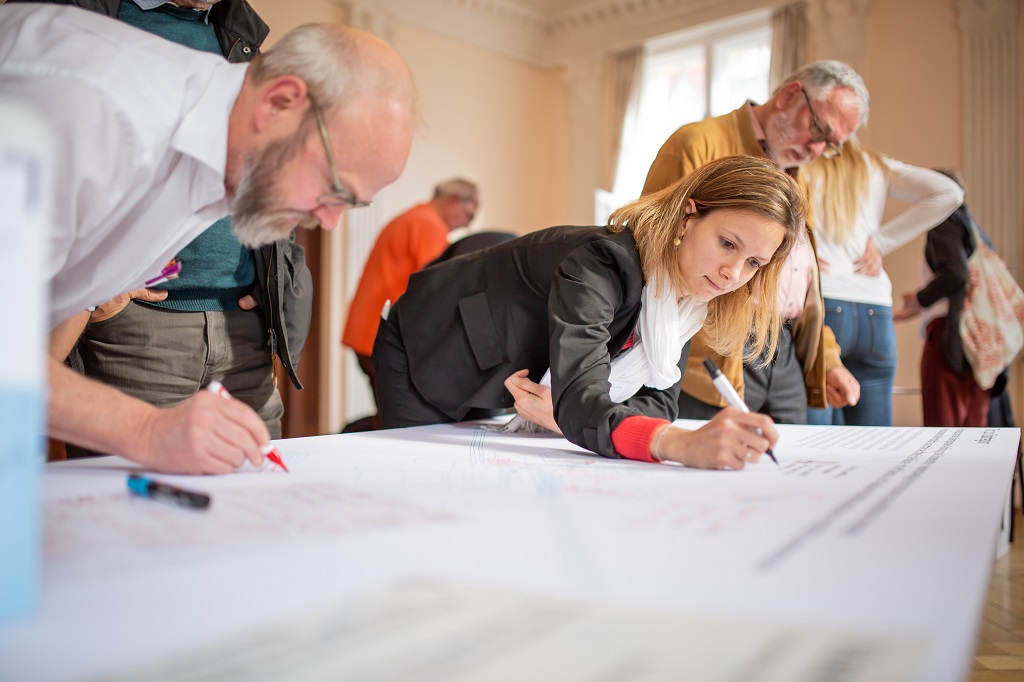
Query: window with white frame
{"type": "Point", "coordinates": [686, 77]}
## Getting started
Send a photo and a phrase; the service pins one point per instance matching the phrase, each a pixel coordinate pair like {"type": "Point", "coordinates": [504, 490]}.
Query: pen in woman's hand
{"type": "Point", "coordinates": [729, 394]}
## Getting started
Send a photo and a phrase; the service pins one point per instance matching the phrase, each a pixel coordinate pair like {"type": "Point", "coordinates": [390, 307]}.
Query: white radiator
{"type": "Point", "coordinates": [362, 227]}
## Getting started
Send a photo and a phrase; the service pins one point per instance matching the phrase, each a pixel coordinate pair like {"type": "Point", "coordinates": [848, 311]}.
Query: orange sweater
{"type": "Point", "coordinates": [404, 246]}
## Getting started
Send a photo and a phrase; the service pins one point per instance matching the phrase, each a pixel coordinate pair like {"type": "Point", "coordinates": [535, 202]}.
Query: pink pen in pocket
{"type": "Point", "coordinates": [170, 271]}
{"type": "Point", "coordinates": [268, 450]}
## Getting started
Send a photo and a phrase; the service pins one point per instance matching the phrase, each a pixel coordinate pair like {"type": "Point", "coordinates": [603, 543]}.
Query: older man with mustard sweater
{"type": "Point", "coordinates": [811, 114]}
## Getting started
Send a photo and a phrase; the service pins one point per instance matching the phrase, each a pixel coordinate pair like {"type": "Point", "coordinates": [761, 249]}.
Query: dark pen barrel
{"type": "Point", "coordinates": [146, 487]}
{"type": "Point", "coordinates": [183, 497]}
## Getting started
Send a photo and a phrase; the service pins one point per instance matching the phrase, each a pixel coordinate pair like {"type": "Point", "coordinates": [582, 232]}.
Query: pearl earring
{"type": "Point", "coordinates": [677, 241]}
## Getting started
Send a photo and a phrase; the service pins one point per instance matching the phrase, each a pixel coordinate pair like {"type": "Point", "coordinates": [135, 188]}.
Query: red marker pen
{"type": "Point", "coordinates": [268, 450]}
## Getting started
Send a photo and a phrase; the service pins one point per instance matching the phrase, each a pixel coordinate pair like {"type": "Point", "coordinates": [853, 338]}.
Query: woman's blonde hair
{"type": "Point", "coordinates": [740, 183]}
{"type": "Point", "coordinates": [842, 182]}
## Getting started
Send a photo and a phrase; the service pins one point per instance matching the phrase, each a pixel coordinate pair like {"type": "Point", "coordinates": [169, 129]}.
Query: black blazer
{"type": "Point", "coordinates": [946, 251]}
{"type": "Point", "coordinates": [567, 298]}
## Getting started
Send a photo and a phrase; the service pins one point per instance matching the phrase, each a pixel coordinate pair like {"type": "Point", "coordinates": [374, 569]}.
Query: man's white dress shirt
{"type": "Point", "coordinates": [140, 127]}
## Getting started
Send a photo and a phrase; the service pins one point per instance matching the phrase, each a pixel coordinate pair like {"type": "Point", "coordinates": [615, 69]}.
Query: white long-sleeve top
{"type": "Point", "coordinates": [933, 197]}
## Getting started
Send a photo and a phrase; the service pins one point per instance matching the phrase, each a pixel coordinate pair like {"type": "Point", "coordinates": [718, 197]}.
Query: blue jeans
{"type": "Point", "coordinates": [867, 337]}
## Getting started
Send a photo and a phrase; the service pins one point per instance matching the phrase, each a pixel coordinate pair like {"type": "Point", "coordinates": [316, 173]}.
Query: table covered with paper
{"type": "Point", "coordinates": [459, 552]}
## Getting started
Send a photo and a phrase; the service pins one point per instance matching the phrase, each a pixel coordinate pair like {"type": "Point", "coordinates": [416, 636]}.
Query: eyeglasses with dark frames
{"type": "Point", "coordinates": [340, 196]}
{"type": "Point", "coordinates": [469, 206]}
{"type": "Point", "coordinates": [818, 133]}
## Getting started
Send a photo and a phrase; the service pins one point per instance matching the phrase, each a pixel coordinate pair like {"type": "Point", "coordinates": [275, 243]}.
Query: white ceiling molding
{"type": "Point", "coordinates": [548, 32]}
{"type": "Point", "coordinates": [512, 28]}
{"type": "Point", "coordinates": [369, 17]}
{"type": "Point", "coordinates": [613, 25]}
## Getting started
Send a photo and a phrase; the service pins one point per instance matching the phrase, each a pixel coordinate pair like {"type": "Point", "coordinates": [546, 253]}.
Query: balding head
{"type": "Point", "coordinates": [286, 168]}
{"type": "Point", "coordinates": [456, 201]}
{"type": "Point", "coordinates": [339, 65]}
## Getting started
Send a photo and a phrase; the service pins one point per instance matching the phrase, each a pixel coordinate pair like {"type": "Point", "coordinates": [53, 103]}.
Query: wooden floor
{"type": "Point", "coordinates": [1000, 653]}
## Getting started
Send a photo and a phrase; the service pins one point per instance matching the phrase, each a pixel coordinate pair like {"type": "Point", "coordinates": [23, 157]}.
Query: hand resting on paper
{"type": "Point", "coordinates": [728, 441]}
{"type": "Point", "coordinates": [533, 400]}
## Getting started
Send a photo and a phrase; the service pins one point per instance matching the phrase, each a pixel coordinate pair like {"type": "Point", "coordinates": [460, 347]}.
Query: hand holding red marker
{"type": "Point", "coordinates": [268, 450]}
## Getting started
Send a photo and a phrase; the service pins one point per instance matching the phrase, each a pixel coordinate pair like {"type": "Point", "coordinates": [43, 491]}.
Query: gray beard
{"type": "Point", "coordinates": [255, 223]}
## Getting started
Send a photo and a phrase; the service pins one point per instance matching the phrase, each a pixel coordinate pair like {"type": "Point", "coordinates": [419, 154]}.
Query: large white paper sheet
{"type": "Point", "coordinates": [463, 633]}
{"type": "Point", "coordinates": [880, 534]}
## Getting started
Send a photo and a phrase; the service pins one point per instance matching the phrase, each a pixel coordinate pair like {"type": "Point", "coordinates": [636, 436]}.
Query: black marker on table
{"type": "Point", "coordinates": [726, 390]}
{"type": "Point", "coordinates": [147, 487]}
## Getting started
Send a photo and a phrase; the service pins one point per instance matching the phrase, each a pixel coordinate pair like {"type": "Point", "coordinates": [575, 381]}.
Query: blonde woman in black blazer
{"type": "Point", "coordinates": [572, 299]}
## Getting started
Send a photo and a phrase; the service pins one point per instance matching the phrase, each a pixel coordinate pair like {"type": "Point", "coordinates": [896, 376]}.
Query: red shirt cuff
{"type": "Point", "coordinates": [632, 437]}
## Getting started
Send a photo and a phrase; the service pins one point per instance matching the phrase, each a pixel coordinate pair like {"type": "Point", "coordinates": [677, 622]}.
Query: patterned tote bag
{"type": "Point", "coordinates": [992, 319]}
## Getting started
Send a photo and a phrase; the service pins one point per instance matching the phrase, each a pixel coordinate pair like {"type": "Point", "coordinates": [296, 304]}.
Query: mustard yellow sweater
{"type": "Point", "coordinates": [689, 148]}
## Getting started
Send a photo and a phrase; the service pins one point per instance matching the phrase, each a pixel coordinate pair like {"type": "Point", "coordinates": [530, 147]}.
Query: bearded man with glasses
{"type": "Point", "coordinates": [224, 315]}
{"type": "Point", "coordinates": [172, 140]}
{"type": "Point", "coordinates": [808, 116]}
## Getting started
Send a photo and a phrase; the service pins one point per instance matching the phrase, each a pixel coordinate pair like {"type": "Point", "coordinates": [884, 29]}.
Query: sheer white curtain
{"type": "Point", "coordinates": [789, 42]}
{"type": "Point", "coordinates": [681, 78]}
{"type": "Point", "coordinates": [624, 76]}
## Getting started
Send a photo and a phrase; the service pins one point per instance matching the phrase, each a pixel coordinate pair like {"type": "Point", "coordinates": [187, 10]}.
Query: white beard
{"type": "Point", "coordinates": [255, 224]}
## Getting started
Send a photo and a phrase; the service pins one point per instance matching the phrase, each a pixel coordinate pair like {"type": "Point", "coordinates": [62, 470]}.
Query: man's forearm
{"type": "Point", "coordinates": [65, 335]}
{"type": "Point", "coordinates": [95, 416]}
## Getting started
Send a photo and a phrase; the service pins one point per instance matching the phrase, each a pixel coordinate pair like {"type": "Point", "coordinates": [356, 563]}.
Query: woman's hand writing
{"type": "Point", "coordinates": [730, 440]}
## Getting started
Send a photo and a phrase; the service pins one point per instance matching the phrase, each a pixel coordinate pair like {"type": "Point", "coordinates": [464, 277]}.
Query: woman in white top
{"type": "Point", "coordinates": [849, 194]}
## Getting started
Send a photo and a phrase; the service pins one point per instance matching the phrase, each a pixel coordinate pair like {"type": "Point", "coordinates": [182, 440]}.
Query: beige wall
{"type": "Point", "coordinates": [912, 68]}
{"type": "Point", "coordinates": [281, 17]}
{"type": "Point", "coordinates": [506, 125]}
{"type": "Point", "coordinates": [915, 117]}
{"type": "Point", "coordinates": [493, 120]}
{"type": "Point", "coordinates": [496, 121]}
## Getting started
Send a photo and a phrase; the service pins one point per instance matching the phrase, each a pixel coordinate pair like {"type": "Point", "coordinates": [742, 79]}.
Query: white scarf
{"type": "Point", "coordinates": [665, 325]}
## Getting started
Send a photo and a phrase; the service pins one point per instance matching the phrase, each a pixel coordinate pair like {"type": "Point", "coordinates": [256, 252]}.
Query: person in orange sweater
{"type": "Point", "coordinates": [405, 245]}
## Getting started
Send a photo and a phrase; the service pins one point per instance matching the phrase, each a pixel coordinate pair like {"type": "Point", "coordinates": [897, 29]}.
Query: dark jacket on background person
{"type": "Point", "coordinates": [284, 290]}
{"type": "Point", "coordinates": [476, 241]}
{"type": "Point", "coordinates": [285, 294]}
{"type": "Point", "coordinates": [946, 251]}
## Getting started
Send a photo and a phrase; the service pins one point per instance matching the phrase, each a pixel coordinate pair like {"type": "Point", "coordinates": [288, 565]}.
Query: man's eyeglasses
{"type": "Point", "coordinates": [340, 196]}
{"type": "Point", "coordinates": [469, 206]}
{"type": "Point", "coordinates": [818, 133]}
